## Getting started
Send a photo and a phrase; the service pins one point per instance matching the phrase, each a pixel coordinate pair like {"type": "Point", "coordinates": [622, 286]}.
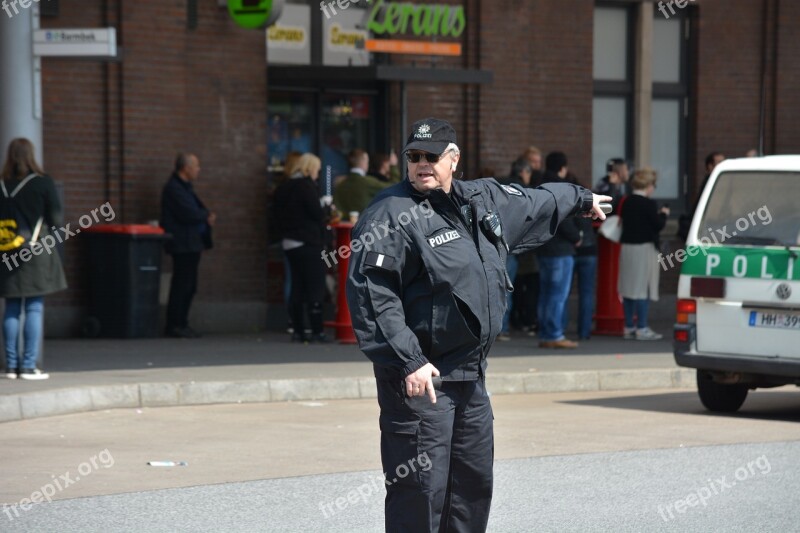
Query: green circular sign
{"type": "Point", "coordinates": [250, 14]}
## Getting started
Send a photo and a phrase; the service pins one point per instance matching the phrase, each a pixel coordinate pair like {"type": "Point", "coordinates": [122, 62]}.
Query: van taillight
{"type": "Point", "coordinates": [687, 311]}
{"type": "Point", "coordinates": [682, 335]}
{"type": "Point", "coordinates": [707, 288]}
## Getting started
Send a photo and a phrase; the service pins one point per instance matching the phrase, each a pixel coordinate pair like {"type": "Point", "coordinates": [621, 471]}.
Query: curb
{"type": "Point", "coordinates": [97, 398]}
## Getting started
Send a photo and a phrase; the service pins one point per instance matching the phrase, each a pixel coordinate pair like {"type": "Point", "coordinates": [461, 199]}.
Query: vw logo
{"type": "Point", "coordinates": [784, 291]}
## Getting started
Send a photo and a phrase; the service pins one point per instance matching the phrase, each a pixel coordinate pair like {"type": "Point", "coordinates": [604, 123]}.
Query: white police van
{"type": "Point", "coordinates": [738, 316]}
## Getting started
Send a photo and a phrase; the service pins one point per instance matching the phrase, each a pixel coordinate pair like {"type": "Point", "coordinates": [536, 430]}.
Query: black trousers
{"type": "Point", "coordinates": [182, 289]}
{"type": "Point", "coordinates": [526, 300]}
{"type": "Point", "coordinates": [308, 287]}
{"type": "Point", "coordinates": [437, 458]}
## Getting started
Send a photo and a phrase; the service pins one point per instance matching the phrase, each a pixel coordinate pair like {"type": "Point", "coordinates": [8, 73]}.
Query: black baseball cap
{"type": "Point", "coordinates": [430, 135]}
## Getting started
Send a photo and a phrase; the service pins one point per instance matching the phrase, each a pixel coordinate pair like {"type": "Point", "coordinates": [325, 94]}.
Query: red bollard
{"type": "Point", "coordinates": [343, 323]}
{"type": "Point", "coordinates": [609, 318]}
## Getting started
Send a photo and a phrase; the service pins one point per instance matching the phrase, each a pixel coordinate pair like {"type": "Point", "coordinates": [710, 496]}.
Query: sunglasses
{"type": "Point", "coordinates": [416, 157]}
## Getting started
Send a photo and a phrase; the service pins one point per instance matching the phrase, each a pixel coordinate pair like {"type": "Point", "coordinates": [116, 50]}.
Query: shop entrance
{"type": "Point", "coordinates": [327, 123]}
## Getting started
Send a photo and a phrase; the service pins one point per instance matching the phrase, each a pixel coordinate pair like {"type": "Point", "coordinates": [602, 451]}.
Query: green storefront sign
{"type": "Point", "coordinates": [430, 20]}
{"type": "Point", "coordinates": [754, 263]}
{"type": "Point", "coordinates": [255, 14]}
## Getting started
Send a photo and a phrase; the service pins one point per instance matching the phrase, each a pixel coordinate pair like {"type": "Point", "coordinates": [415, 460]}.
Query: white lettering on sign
{"type": "Point", "coordinates": [712, 262]}
{"type": "Point", "coordinates": [764, 273]}
{"type": "Point", "coordinates": [443, 238]}
{"type": "Point", "coordinates": [739, 266]}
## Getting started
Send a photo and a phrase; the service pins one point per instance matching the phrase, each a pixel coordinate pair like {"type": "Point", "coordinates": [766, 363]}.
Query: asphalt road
{"type": "Point", "coordinates": [565, 462]}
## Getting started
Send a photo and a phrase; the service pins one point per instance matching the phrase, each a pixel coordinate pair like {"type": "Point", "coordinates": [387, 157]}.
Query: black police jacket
{"type": "Point", "coordinates": [426, 283]}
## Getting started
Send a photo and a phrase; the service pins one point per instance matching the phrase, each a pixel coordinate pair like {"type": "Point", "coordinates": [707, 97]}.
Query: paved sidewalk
{"type": "Point", "coordinates": [100, 374]}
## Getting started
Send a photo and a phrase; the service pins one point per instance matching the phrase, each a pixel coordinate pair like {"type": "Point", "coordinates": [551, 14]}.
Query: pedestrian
{"type": "Point", "coordinates": [426, 292]}
{"type": "Point", "coordinates": [189, 222]}
{"type": "Point", "coordinates": [292, 160]}
{"type": "Point", "coordinates": [24, 284]}
{"type": "Point", "coordinates": [615, 182]}
{"type": "Point", "coordinates": [534, 157]}
{"type": "Point", "coordinates": [585, 270]}
{"type": "Point", "coordinates": [521, 172]}
{"type": "Point", "coordinates": [526, 283]}
{"type": "Point", "coordinates": [685, 221]}
{"type": "Point", "coordinates": [385, 167]}
{"type": "Point", "coordinates": [556, 264]}
{"type": "Point", "coordinates": [642, 221]}
{"type": "Point", "coordinates": [358, 189]}
{"type": "Point", "coordinates": [302, 225]}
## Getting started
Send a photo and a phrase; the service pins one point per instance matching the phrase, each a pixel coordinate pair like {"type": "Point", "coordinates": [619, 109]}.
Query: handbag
{"type": "Point", "coordinates": [611, 228]}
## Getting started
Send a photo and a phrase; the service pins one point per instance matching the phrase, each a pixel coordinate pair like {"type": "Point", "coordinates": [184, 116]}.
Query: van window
{"type": "Point", "coordinates": [753, 208]}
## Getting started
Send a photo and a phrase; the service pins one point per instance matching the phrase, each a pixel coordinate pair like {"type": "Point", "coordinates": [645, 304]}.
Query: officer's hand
{"type": "Point", "coordinates": [596, 213]}
{"type": "Point", "coordinates": [420, 382]}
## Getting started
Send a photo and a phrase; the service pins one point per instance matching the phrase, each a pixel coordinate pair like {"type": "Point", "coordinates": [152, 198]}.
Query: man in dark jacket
{"type": "Point", "coordinates": [187, 220]}
{"type": "Point", "coordinates": [556, 263]}
{"type": "Point", "coordinates": [426, 292]}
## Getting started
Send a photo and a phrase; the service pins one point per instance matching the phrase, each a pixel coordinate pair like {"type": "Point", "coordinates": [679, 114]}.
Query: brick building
{"type": "Point", "coordinates": [594, 79]}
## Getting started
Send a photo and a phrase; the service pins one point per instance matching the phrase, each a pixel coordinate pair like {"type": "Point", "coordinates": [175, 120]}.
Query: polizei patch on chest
{"type": "Point", "coordinates": [443, 238]}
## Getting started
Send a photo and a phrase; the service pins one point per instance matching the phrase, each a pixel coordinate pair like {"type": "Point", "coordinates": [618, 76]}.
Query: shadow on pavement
{"type": "Point", "coordinates": [781, 404]}
{"type": "Point", "coordinates": [80, 355]}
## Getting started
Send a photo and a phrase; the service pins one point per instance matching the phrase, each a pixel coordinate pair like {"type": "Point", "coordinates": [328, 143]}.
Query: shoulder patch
{"type": "Point", "coordinates": [511, 190]}
{"type": "Point", "coordinates": [374, 259]}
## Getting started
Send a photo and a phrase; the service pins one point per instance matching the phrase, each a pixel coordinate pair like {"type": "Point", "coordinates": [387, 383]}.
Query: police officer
{"type": "Point", "coordinates": [427, 293]}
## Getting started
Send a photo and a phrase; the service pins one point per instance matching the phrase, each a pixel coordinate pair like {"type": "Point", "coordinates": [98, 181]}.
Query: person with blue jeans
{"type": "Point", "coordinates": [586, 272]}
{"type": "Point", "coordinates": [555, 275]}
{"type": "Point", "coordinates": [556, 263]}
{"type": "Point", "coordinates": [31, 333]}
{"type": "Point", "coordinates": [23, 284]}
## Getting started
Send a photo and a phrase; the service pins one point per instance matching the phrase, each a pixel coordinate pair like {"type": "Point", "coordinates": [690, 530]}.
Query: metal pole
{"type": "Point", "coordinates": [20, 91]}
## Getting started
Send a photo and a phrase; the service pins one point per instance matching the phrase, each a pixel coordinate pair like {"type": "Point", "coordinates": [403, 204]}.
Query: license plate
{"type": "Point", "coordinates": [760, 319]}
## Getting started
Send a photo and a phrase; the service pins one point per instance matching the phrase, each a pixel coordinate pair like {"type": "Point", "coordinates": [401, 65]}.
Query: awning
{"type": "Point", "coordinates": [311, 74]}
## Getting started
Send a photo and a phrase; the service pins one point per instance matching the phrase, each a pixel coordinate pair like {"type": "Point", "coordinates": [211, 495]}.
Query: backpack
{"type": "Point", "coordinates": [15, 230]}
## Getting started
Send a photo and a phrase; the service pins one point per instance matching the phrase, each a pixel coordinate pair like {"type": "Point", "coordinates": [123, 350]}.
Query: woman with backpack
{"type": "Point", "coordinates": [29, 208]}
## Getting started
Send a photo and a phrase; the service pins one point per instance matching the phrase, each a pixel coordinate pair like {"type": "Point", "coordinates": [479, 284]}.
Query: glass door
{"type": "Point", "coordinates": [345, 126]}
{"type": "Point", "coordinates": [291, 126]}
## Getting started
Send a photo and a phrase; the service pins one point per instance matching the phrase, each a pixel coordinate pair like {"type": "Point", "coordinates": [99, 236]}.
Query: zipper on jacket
{"type": "Point", "coordinates": [471, 230]}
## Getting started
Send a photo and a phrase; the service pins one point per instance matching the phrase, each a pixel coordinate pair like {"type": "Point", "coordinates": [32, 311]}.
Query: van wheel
{"type": "Point", "coordinates": [719, 397]}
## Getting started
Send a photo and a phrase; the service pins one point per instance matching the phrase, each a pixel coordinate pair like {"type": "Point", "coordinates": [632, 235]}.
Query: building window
{"type": "Point", "coordinates": [613, 85]}
{"type": "Point", "coordinates": [663, 112]}
{"type": "Point", "coordinates": [668, 136]}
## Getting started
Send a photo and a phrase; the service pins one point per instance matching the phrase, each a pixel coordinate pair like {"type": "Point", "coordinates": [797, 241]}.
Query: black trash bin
{"type": "Point", "coordinates": [125, 270]}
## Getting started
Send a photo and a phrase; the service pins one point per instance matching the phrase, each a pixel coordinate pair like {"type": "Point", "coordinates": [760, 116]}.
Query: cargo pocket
{"type": "Point", "coordinates": [399, 449]}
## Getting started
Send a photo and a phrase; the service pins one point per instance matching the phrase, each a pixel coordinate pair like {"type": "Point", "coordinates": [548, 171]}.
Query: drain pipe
{"type": "Point", "coordinates": [764, 56]}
